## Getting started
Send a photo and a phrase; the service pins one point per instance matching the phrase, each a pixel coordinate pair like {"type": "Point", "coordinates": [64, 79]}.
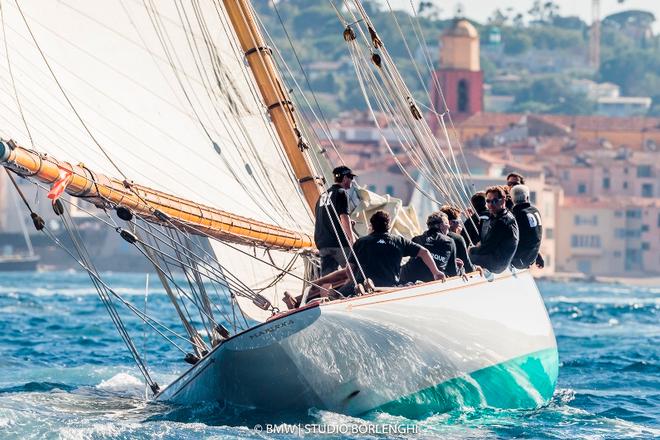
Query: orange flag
{"type": "Point", "coordinates": [60, 185]}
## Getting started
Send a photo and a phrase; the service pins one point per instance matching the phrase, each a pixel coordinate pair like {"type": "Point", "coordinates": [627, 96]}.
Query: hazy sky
{"type": "Point", "coordinates": [479, 10]}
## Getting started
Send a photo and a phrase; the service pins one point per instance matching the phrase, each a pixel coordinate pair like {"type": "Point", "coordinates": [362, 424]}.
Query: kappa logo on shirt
{"type": "Point", "coordinates": [381, 241]}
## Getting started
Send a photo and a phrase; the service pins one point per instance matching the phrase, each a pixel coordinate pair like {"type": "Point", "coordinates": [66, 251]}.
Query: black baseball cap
{"type": "Point", "coordinates": [342, 171]}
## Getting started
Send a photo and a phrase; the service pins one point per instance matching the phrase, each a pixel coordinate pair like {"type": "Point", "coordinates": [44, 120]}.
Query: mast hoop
{"type": "Point", "coordinates": [263, 49]}
{"type": "Point", "coordinates": [282, 103]}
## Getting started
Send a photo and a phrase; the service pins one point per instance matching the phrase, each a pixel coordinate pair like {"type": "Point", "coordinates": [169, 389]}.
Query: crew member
{"type": "Point", "coordinates": [378, 255]}
{"type": "Point", "coordinates": [441, 247]}
{"type": "Point", "coordinates": [512, 180]}
{"type": "Point", "coordinates": [530, 229]}
{"type": "Point", "coordinates": [455, 233]}
{"type": "Point", "coordinates": [333, 234]}
{"type": "Point", "coordinates": [499, 244]}
{"type": "Point", "coordinates": [478, 219]}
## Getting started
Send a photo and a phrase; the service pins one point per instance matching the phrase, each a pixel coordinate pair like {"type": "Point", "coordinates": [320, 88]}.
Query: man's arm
{"type": "Point", "coordinates": [346, 226]}
{"type": "Point", "coordinates": [426, 257]}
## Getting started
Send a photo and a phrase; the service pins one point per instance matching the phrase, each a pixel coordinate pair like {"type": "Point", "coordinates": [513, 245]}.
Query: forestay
{"type": "Point", "coordinates": [164, 98]}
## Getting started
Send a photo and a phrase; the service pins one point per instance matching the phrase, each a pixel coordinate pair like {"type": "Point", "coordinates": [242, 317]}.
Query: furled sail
{"type": "Point", "coordinates": [162, 97]}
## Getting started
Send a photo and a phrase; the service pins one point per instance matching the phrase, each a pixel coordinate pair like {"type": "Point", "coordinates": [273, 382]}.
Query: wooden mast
{"type": "Point", "coordinates": [152, 205]}
{"type": "Point", "coordinates": [276, 99]}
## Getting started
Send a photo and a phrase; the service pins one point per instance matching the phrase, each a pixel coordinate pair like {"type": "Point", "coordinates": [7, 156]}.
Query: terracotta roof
{"type": "Point", "coordinates": [620, 202]}
{"type": "Point", "coordinates": [502, 120]}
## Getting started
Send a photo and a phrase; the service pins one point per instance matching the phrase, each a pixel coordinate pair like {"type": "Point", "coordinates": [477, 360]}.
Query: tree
{"type": "Point", "coordinates": [552, 95]}
{"type": "Point", "coordinates": [516, 43]}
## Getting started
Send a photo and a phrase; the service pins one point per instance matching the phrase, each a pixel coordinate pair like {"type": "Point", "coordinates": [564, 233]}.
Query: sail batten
{"type": "Point", "coordinates": [146, 202]}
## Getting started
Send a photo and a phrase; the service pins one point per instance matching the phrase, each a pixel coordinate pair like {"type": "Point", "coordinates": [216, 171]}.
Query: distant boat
{"type": "Point", "coordinates": [10, 260]}
{"type": "Point", "coordinates": [18, 263]}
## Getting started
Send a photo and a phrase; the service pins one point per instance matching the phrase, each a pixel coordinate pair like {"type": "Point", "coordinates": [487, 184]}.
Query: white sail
{"type": "Point", "coordinates": [165, 94]}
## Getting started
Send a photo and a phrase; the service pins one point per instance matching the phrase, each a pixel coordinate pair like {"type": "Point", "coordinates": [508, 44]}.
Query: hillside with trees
{"type": "Point", "coordinates": [545, 49]}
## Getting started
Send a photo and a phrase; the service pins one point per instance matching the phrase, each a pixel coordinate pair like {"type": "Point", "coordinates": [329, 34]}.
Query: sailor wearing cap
{"type": "Point", "coordinates": [332, 233]}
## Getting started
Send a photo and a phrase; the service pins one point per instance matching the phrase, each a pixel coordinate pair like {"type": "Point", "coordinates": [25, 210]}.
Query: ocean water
{"type": "Point", "coordinates": [65, 374]}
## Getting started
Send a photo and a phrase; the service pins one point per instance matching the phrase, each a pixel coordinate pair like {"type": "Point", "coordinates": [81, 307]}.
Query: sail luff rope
{"type": "Point", "coordinates": [398, 90]}
{"type": "Point", "coordinates": [421, 41]}
{"type": "Point", "coordinates": [419, 33]}
{"type": "Point", "coordinates": [11, 74]}
{"type": "Point", "coordinates": [455, 188]}
{"type": "Point", "coordinates": [427, 94]}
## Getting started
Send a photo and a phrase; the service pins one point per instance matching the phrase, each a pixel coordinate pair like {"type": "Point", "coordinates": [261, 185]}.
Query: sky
{"type": "Point", "coordinates": [480, 10]}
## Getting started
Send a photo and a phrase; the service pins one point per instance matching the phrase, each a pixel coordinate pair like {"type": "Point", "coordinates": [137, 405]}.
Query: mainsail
{"type": "Point", "coordinates": [161, 96]}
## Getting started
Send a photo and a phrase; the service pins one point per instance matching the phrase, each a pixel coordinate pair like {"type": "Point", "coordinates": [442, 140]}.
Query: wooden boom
{"type": "Point", "coordinates": [151, 204]}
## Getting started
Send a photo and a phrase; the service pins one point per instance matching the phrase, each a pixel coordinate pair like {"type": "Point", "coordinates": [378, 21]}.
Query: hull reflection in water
{"type": "Point", "coordinates": [410, 351]}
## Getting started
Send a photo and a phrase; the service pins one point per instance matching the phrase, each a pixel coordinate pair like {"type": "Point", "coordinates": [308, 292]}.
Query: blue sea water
{"type": "Point", "coordinates": [65, 374]}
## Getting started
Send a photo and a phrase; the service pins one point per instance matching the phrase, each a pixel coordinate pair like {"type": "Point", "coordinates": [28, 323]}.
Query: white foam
{"type": "Point", "coordinates": [122, 382]}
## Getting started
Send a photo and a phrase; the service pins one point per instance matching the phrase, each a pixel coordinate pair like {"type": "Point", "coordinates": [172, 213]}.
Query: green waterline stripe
{"type": "Point", "coordinates": [526, 381]}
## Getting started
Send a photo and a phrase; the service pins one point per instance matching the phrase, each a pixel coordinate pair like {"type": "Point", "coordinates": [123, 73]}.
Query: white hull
{"type": "Point", "coordinates": [354, 355]}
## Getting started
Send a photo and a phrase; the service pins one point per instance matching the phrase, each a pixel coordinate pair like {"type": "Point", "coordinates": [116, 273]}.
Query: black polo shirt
{"type": "Point", "coordinates": [461, 251]}
{"type": "Point", "coordinates": [324, 233]}
{"type": "Point", "coordinates": [380, 256]}
{"type": "Point", "coordinates": [530, 232]}
{"type": "Point", "coordinates": [443, 251]}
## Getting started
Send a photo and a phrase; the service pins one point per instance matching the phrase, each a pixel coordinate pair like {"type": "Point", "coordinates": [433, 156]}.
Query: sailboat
{"type": "Point", "coordinates": [11, 261]}
{"type": "Point", "coordinates": [174, 123]}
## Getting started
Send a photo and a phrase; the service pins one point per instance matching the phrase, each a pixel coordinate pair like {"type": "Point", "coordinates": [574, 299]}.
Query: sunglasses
{"type": "Point", "coordinates": [493, 201]}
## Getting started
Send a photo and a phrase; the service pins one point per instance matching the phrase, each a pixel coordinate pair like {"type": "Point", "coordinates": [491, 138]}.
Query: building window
{"type": "Point", "coordinates": [620, 233]}
{"type": "Point", "coordinates": [582, 188]}
{"type": "Point", "coordinates": [585, 220]}
{"type": "Point", "coordinates": [646, 246]}
{"type": "Point", "coordinates": [625, 170]}
{"type": "Point", "coordinates": [625, 185]}
{"type": "Point", "coordinates": [617, 254]}
{"type": "Point", "coordinates": [619, 214]}
{"type": "Point", "coordinates": [644, 171]}
{"type": "Point", "coordinates": [606, 183]}
{"type": "Point", "coordinates": [389, 189]}
{"type": "Point", "coordinates": [549, 233]}
{"type": "Point", "coordinates": [566, 175]}
{"type": "Point", "coordinates": [647, 190]}
{"type": "Point", "coordinates": [463, 94]}
{"type": "Point", "coordinates": [585, 241]}
{"type": "Point", "coordinates": [634, 213]}
{"type": "Point", "coordinates": [645, 228]}
{"type": "Point", "coordinates": [372, 188]}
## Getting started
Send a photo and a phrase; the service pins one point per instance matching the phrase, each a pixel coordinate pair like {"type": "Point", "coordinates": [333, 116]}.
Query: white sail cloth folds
{"type": "Point", "coordinates": [403, 219]}
{"type": "Point", "coordinates": [162, 89]}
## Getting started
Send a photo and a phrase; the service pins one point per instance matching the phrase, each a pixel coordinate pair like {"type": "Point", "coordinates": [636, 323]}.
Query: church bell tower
{"type": "Point", "coordinates": [459, 75]}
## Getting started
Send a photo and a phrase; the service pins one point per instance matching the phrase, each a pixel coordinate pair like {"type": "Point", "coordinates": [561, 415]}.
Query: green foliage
{"type": "Point", "coordinates": [516, 43]}
{"type": "Point", "coordinates": [316, 35]}
{"type": "Point", "coordinates": [552, 95]}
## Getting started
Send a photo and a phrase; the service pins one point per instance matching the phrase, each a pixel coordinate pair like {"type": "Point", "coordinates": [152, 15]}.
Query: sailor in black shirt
{"type": "Point", "coordinates": [441, 247]}
{"type": "Point", "coordinates": [378, 255]}
{"type": "Point", "coordinates": [475, 223]}
{"type": "Point", "coordinates": [528, 219]}
{"type": "Point", "coordinates": [500, 242]}
{"type": "Point", "coordinates": [455, 233]}
{"type": "Point", "coordinates": [333, 234]}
